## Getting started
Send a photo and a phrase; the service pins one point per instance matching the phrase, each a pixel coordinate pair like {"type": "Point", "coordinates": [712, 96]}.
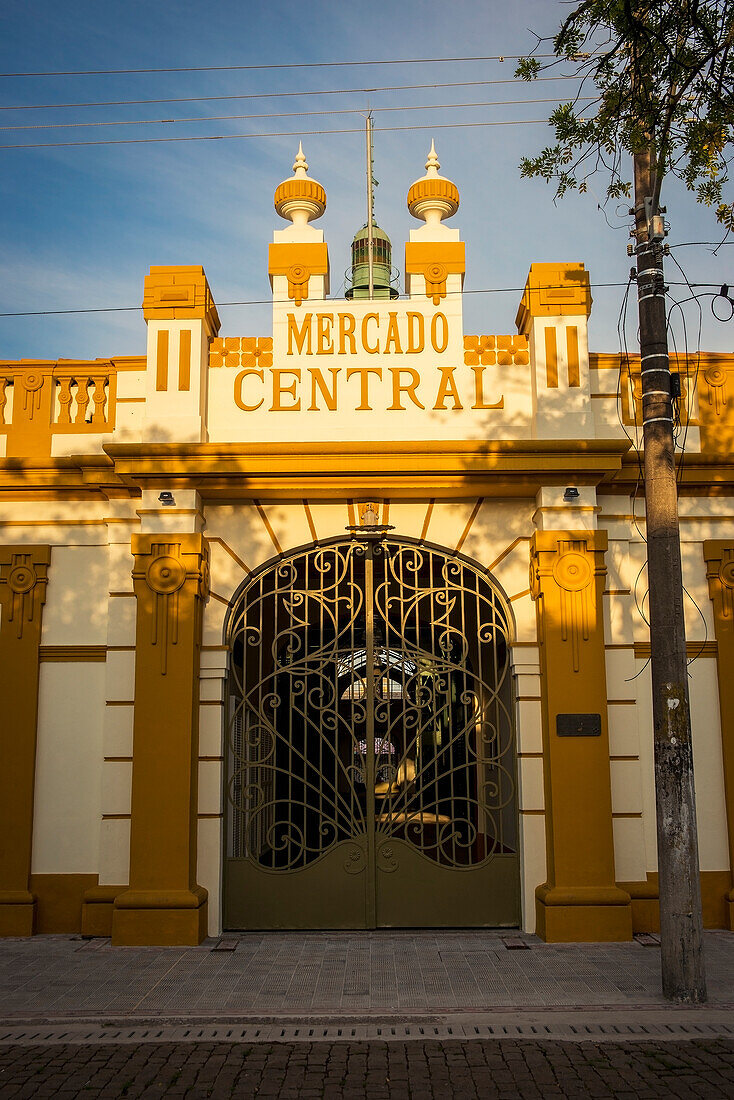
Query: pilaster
{"type": "Point", "coordinates": [553, 315]}
{"type": "Point", "coordinates": [579, 901]}
{"type": "Point", "coordinates": [164, 905]}
{"type": "Point", "coordinates": [182, 320]}
{"type": "Point", "coordinates": [23, 579]}
{"type": "Point", "coordinates": [719, 556]}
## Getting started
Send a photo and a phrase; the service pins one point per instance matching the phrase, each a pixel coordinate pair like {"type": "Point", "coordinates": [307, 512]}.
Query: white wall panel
{"type": "Point", "coordinates": [68, 769]}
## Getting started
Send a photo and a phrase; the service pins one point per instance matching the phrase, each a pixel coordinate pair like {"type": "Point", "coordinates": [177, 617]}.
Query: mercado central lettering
{"type": "Point", "coordinates": [378, 332]}
{"type": "Point", "coordinates": [341, 624]}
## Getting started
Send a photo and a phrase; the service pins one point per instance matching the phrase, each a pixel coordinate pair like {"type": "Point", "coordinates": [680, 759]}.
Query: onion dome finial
{"type": "Point", "coordinates": [300, 199]}
{"type": "Point", "coordinates": [433, 198]}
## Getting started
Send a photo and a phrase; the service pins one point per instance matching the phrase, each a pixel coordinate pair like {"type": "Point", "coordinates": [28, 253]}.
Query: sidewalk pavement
{"type": "Point", "coordinates": [368, 1014]}
{"type": "Point", "coordinates": [336, 973]}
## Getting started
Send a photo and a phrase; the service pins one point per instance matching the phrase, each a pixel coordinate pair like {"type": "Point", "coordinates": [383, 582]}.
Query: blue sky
{"type": "Point", "coordinates": [79, 227]}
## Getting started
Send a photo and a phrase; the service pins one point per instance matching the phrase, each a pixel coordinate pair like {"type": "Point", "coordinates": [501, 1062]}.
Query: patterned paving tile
{"type": "Point", "coordinates": [284, 972]}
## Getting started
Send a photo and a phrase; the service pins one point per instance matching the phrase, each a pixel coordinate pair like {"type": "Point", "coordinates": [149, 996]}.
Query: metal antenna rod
{"type": "Point", "coordinates": [370, 246]}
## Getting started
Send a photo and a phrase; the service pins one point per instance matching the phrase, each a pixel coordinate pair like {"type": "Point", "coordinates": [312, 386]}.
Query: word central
{"type": "Point", "coordinates": [375, 334]}
{"type": "Point", "coordinates": [290, 388]}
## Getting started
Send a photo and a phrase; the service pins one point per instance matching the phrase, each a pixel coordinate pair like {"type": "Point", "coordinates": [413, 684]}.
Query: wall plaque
{"type": "Point", "coordinates": [578, 725]}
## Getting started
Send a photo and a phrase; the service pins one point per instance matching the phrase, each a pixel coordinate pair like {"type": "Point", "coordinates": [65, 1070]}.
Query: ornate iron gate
{"type": "Point", "coordinates": [370, 753]}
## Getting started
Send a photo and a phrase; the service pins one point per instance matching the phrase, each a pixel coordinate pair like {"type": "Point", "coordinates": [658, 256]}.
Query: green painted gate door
{"type": "Point", "coordinates": [370, 754]}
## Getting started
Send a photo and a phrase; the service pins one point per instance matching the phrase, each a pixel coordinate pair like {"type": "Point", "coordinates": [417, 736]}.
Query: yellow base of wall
{"type": "Point", "coordinates": [159, 927]}
{"type": "Point", "coordinates": [97, 909]}
{"type": "Point", "coordinates": [583, 923]}
{"type": "Point", "coordinates": [75, 903]}
{"type": "Point", "coordinates": [59, 901]}
{"type": "Point", "coordinates": [17, 919]}
{"type": "Point", "coordinates": [718, 909]}
{"type": "Point", "coordinates": [582, 914]}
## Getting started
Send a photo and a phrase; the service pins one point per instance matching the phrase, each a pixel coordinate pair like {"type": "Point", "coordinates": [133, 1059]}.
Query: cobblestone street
{"type": "Point", "coordinates": [414, 1071]}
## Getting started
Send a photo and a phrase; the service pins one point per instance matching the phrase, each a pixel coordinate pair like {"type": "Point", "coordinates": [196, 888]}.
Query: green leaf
{"type": "Point", "coordinates": [527, 68]}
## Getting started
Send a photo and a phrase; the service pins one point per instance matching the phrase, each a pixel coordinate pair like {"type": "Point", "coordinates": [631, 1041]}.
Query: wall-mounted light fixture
{"type": "Point", "coordinates": [166, 498]}
{"type": "Point", "coordinates": [571, 495]}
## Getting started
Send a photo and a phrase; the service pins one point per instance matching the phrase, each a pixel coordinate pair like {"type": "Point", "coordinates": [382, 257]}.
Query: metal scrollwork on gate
{"type": "Point", "coordinates": [369, 705]}
{"type": "Point", "coordinates": [442, 698]}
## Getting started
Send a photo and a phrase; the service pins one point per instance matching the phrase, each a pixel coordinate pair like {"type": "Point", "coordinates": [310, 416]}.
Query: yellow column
{"type": "Point", "coordinates": [163, 904]}
{"type": "Point", "coordinates": [23, 572]}
{"type": "Point", "coordinates": [719, 557]}
{"type": "Point", "coordinates": [580, 901]}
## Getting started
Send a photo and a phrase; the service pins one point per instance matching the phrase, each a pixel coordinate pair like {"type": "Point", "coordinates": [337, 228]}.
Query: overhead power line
{"type": "Point", "coordinates": [281, 114]}
{"type": "Point", "coordinates": [274, 95]}
{"type": "Point", "coordinates": [286, 133]}
{"type": "Point", "coordinates": [280, 65]}
{"type": "Point", "coordinates": [269, 301]}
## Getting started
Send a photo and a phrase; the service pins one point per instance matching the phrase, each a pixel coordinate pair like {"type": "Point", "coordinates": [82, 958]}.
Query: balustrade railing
{"type": "Point", "coordinates": [39, 399]}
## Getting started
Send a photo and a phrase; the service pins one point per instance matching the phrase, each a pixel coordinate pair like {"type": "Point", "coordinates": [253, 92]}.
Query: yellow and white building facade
{"type": "Point", "coordinates": [343, 625]}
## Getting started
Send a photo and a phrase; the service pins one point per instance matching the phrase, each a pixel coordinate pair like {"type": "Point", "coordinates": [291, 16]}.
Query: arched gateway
{"type": "Point", "coordinates": [370, 750]}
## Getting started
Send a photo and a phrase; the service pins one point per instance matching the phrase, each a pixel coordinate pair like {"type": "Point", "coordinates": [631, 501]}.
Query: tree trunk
{"type": "Point", "coordinates": [681, 927]}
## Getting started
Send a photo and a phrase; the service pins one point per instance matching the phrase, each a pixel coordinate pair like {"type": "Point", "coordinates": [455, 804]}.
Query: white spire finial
{"type": "Point", "coordinates": [432, 164]}
{"type": "Point", "coordinates": [300, 167]}
{"type": "Point", "coordinates": [433, 197]}
{"type": "Point", "coordinates": [300, 199]}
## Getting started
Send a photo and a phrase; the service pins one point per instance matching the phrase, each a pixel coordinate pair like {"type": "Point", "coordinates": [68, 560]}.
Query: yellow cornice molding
{"type": "Point", "coordinates": [241, 470]}
{"type": "Point", "coordinates": [67, 477]}
{"type": "Point", "coordinates": [589, 458]}
{"type": "Point", "coordinates": [708, 474]}
{"type": "Point", "coordinates": [130, 362]}
{"type": "Point", "coordinates": [118, 451]}
{"type": "Point", "coordinates": [445, 468]}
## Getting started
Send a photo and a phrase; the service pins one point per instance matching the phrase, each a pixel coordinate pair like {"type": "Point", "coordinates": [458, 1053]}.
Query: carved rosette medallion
{"type": "Point", "coordinates": [21, 579]}
{"type": "Point", "coordinates": [720, 573]}
{"type": "Point", "coordinates": [715, 378]}
{"type": "Point", "coordinates": [534, 578]}
{"type": "Point", "coordinates": [570, 565]}
{"type": "Point", "coordinates": [726, 573]}
{"type": "Point", "coordinates": [23, 585]}
{"type": "Point", "coordinates": [572, 571]}
{"type": "Point", "coordinates": [573, 574]}
{"type": "Point", "coordinates": [435, 276]}
{"type": "Point", "coordinates": [165, 575]}
{"type": "Point", "coordinates": [204, 579]}
{"type": "Point", "coordinates": [32, 383]}
{"type": "Point", "coordinates": [164, 571]}
{"type": "Point", "coordinates": [719, 557]}
{"type": "Point", "coordinates": [298, 277]}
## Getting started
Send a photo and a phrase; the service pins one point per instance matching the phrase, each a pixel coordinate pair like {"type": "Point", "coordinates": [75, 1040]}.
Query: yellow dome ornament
{"type": "Point", "coordinates": [433, 198]}
{"type": "Point", "coordinates": [300, 199]}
